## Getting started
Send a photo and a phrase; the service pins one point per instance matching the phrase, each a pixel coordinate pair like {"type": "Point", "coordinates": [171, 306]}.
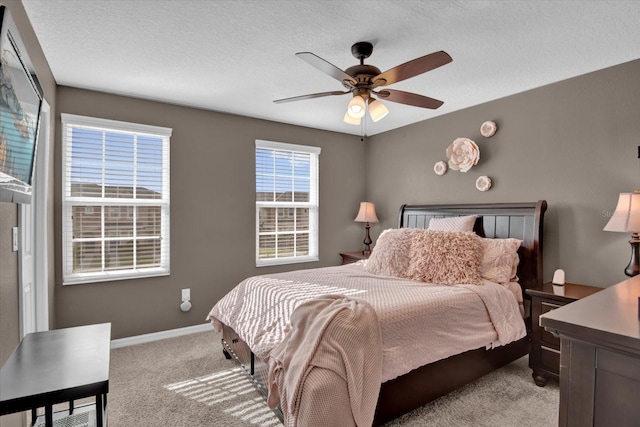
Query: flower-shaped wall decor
{"type": "Point", "coordinates": [440, 168]}
{"type": "Point", "coordinates": [488, 129]}
{"type": "Point", "coordinates": [483, 183]}
{"type": "Point", "coordinates": [463, 154]}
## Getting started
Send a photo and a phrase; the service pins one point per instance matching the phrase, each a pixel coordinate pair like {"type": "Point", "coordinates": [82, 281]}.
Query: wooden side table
{"type": "Point", "coordinates": [56, 366]}
{"type": "Point", "coordinates": [351, 257]}
{"type": "Point", "coordinates": [544, 357]}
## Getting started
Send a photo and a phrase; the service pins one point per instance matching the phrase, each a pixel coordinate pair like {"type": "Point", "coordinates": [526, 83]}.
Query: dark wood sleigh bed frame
{"type": "Point", "coordinates": [410, 391]}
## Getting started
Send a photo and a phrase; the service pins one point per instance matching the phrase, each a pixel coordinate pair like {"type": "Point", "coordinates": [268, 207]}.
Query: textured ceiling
{"type": "Point", "coordinates": [238, 56]}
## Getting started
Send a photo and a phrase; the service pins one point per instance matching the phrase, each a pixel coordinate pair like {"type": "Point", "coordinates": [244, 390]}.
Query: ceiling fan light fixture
{"type": "Point", "coordinates": [351, 120]}
{"type": "Point", "coordinates": [377, 110]}
{"type": "Point", "coordinates": [356, 107]}
{"type": "Point", "coordinates": [360, 81]}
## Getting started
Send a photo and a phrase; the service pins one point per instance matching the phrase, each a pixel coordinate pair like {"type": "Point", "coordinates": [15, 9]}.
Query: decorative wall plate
{"type": "Point", "coordinates": [483, 183]}
{"type": "Point", "coordinates": [440, 168]}
{"type": "Point", "coordinates": [488, 129]}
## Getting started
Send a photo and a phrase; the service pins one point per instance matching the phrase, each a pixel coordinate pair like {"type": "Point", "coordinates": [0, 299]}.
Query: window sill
{"type": "Point", "coordinates": [284, 261]}
{"type": "Point", "coordinates": [85, 278]}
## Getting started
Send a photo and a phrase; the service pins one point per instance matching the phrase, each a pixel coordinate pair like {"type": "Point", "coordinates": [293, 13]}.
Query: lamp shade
{"type": "Point", "coordinates": [350, 120]}
{"type": "Point", "coordinates": [626, 217]}
{"type": "Point", "coordinates": [367, 213]}
{"type": "Point", "coordinates": [356, 107]}
{"type": "Point", "coordinates": [377, 109]}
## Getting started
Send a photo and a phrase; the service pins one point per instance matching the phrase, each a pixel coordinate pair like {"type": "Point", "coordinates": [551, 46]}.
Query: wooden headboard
{"type": "Point", "coordinates": [522, 221]}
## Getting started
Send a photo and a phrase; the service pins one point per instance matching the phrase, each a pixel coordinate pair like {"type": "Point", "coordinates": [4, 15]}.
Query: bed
{"type": "Point", "coordinates": [401, 393]}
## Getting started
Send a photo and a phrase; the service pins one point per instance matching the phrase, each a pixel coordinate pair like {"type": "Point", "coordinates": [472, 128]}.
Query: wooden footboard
{"type": "Point", "coordinates": [420, 386]}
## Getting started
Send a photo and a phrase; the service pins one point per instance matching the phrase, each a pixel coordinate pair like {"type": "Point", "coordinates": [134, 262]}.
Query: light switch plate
{"type": "Point", "coordinates": [14, 239]}
{"type": "Point", "coordinates": [186, 294]}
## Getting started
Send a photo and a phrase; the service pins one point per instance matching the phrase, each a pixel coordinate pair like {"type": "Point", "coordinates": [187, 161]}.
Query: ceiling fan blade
{"type": "Point", "coordinates": [413, 68]}
{"type": "Point", "coordinates": [409, 98]}
{"type": "Point", "coordinates": [311, 96]}
{"type": "Point", "coordinates": [327, 68]}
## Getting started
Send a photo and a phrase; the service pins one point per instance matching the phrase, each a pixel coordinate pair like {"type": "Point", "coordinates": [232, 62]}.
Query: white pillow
{"type": "Point", "coordinates": [514, 268]}
{"type": "Point", "coordinates": [453, 223]}
{"type": "Point", "coordinates": [497, 260]}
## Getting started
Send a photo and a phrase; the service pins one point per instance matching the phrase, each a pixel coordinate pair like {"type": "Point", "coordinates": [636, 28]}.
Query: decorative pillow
{"type": "Point", "coordinates": [453, 223]}
{"type": "Point", "coordinates": [516, 289]}
{"type": "Point", "coordinates": [514, 268]}
{"type": "Point", "coordinates": [444, 257]}
{"type": "Point", "coordinates": [390, 255]}
{"type": "Point", "coordinates": [499, 259]}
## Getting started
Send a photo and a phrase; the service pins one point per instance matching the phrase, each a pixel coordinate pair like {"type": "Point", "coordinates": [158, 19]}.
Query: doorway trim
{"type": "Point", "coordinates": [33, 255]}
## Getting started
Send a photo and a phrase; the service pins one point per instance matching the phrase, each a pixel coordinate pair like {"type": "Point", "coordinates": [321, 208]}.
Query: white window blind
{"type": "Point", "coordinates": [115, 200]}
{"type": "Point", "coordinates": [286, 203]}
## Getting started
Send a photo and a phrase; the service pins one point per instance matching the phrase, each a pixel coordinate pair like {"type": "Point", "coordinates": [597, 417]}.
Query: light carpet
{"type": "Point", "coordinates": [186, 381]}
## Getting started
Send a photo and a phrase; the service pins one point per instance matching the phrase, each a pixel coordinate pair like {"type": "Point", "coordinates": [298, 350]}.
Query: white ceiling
{"type": "Point", "coordinates": [238, 56]}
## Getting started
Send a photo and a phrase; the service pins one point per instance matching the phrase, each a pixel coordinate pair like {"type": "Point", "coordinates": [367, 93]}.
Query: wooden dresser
{"type": "Point", "coordinates": [544, 357]}
{"type": "Point", "coordinates": [600, 357]}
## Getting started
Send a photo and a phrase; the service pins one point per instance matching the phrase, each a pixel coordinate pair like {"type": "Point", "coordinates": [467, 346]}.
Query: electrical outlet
{"type": "Point", "coordinates": [186, 294]}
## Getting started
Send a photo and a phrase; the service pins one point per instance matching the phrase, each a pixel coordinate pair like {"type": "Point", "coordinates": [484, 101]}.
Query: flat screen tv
{"type": "Point", "coordinates": [20, 103]}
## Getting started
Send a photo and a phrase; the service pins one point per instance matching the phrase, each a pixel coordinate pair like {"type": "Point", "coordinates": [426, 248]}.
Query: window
{"type": "Point", "coordinates": [286, 203]}
{"type": "Point", "coordinates": [115, 192]}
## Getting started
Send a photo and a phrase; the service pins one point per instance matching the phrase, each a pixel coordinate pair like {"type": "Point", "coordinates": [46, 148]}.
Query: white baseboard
{"type": "Point", "coordinates": [155, 336]}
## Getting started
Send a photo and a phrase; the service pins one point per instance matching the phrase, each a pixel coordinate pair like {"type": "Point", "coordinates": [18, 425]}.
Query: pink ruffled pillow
{"type": "Point", "coordinates": [444, 257]}
{"type": "Point", "coordinates": [500, 259]}
{"type": "Point", "coordinates": [441, 257]}
{"type": "Point", "coordinates": [453, 223]}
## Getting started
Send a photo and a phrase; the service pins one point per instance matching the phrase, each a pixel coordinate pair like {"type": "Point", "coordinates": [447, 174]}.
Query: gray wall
{"type": "Point", "coordinates": [212, 212]}
{"type": "Point", "coordinates": [9, 316]}
{"type": "Point", "coordinates": [573, 143]}
{"type": "Point", "coordinates": [9, 308]}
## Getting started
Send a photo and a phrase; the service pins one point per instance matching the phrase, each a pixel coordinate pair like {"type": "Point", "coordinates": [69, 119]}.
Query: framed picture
{"type": "Point", "coordinates": [20, 104]}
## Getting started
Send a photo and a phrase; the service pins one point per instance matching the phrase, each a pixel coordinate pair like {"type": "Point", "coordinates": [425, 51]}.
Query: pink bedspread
{"type": "Point", "coordinates": [420, 323]}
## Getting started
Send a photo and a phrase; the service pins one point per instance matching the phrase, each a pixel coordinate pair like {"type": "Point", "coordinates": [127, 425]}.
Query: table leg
{"type": "Point", "coordinates": [34, 416]}
{"type": "Point", "coordinates": [48, 416]}
{"type": "Point", "coordinates": [71, 407]}
{"type": "Point", "coordinates": [99, 411]}
{"type": "Point", "coordinates": [105, 417]}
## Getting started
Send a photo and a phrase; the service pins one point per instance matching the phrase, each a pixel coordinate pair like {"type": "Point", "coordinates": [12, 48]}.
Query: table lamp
{"type": "Point", "coordinates": [626, 218]}
{"type": "Point", "coordinates": [367, 214]}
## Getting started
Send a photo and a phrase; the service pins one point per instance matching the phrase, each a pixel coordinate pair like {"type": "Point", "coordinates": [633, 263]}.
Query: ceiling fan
{"type": "Point", "coordinates": [361, 80]}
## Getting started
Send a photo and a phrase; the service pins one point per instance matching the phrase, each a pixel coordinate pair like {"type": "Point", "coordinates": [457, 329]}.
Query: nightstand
{"type": "Point", "coordinates": [351, 257]}
{"type": "Point", "coordinates": [544, 357]}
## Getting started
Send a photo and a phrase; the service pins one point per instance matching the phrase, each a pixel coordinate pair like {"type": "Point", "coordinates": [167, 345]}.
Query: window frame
{"type": "Point", "coordinates": [313, 205]}
{"type": "Point", "coordinates": [69, 121]}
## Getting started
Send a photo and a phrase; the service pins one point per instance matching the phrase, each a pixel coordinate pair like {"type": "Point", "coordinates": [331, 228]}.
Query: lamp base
{"type": "Point", "coordinates": [633, 269]}
{"type": "Point", "coordinates": [367, 240]}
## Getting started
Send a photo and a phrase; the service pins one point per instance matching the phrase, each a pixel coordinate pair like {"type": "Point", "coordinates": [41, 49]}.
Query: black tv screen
{"type": "Point", "coordinates": [20, 104]}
